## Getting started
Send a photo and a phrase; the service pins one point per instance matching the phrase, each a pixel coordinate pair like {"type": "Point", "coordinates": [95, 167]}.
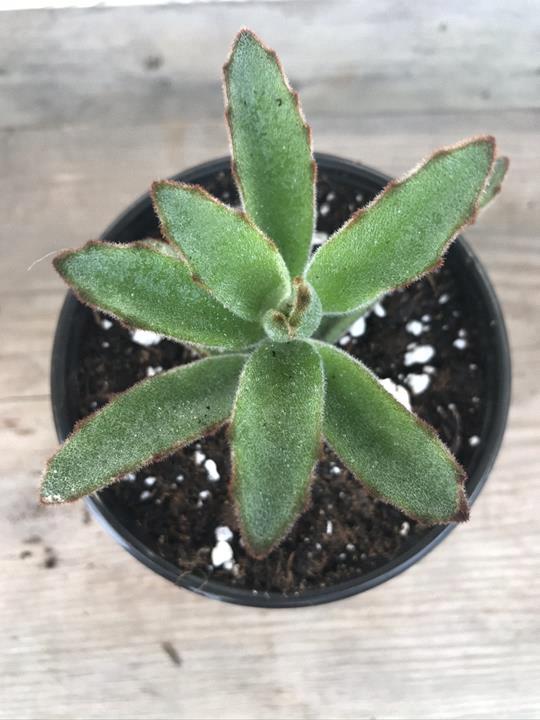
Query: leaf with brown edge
{"type": "Point", "coordinates": [495, 180]}
{"type": "Point", "coordinates": [393, 453]}
{"type": "Point", "coordinates": [271, 143]}
{"type": "Point", "coordinates": [241, 267]}
{"type": "Point", "coordinates": [275, 439]}
{"type": "Point", "coordinates": [147, 422]}
{"type": "Point", "coordinates": [298, 318]}
{"type": "Point", "coordinates": [152, 289]}
{"type": "Point", "coordinates": [405, 231]}
{"type": "Point", "coordinates": [306, 312]}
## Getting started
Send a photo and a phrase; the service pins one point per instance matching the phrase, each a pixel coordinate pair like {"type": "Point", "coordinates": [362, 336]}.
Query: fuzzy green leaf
{"type": "Point", "coordinates": [271, 142]}
{"type": "Point", "coordinates": [493, 187]}
{"type": "Point", "coordinates": [148, 421]}
{"type": "Point", "coordinates": [391, 451]}
{"type": "Point", "coordinates": [152, 289]}
{"type": "Point", "coordinates": [275, 437]}
{"type": "Point", "coordinates": [240, 265]}
{"type": "Point", "coordinates": [405, 231]}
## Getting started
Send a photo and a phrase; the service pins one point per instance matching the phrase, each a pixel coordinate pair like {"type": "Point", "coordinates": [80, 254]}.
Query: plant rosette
{"type": "Point", "coordinates": [242, 311]}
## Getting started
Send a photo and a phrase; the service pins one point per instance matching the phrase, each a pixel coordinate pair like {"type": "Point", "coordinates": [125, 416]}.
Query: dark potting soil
{"type": "Point", "coordinates": [421, 338]}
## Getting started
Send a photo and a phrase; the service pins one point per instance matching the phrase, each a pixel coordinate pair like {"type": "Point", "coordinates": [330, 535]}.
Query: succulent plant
{"type": "Point", "coordinates": [243, 288]}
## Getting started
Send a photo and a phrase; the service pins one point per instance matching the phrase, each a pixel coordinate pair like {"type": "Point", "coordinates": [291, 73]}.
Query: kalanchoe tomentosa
{"type": "Point", "coordinates": [241, 287]}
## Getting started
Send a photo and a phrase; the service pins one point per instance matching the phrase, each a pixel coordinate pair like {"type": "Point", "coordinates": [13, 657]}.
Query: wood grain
{"type": "Point", "coordinates": [94, 105]}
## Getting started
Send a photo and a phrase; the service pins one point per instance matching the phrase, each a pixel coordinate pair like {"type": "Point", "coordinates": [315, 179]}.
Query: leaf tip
{"type": "Point", "coordinates": [463, 511]}
{"type": "Point", "coordinates": [243, 37]}
{"type": "Point", "coordinates": [48, 493]}
{"type": "Point", "coordinates": [50, 499]}
{"type": "Point", "coordinates": [60, 259]}
{"type": "Point", "coordinates": [156, 187]}
{"type": "Point", "coordinates": [246, 33]}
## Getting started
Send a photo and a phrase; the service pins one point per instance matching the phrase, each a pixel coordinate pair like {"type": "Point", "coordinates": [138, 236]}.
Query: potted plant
{"type": "Point", "coordinates": [219, 334]}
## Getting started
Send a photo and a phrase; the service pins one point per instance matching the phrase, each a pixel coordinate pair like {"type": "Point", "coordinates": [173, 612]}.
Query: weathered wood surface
{"type": "Point", "coordinates": [96, 103]}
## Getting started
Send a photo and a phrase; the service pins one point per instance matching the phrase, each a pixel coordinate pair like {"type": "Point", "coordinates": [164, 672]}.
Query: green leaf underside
{"type": "Point", "coordinates": [494, 183]}
{"type": "Point", "coordinates": [275, 437]}
{"type": "Point", "coordinates": [151, 289]}
{"type": "Point", "coordinates": [332, 327]}
{"type": "Point", "coordinates": [240, 266]}
{"type": "Point", "coordinates": [391, 451]}
{"type": "Point", "coordinates": [404, 232]}
{"type": "Point", "coordinates": [272, 149]}
{"type": "Point", "coordinates": [148, 421]}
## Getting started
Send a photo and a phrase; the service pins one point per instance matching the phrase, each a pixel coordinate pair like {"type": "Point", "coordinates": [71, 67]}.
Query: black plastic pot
{"type": "Point", "coordinates": [139, 221]}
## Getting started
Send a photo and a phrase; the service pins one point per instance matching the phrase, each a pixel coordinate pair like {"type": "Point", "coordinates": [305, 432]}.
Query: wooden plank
{"type": "Point", "coordinates": [96, 104]}
{"type": "Point", "coordinates": [163, 62]}
{"type": "Point", "coordinates": [99, 620]}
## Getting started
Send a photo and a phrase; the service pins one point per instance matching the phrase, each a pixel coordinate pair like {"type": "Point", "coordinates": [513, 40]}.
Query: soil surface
{"type": "Point", "coordinates": [421, 338]}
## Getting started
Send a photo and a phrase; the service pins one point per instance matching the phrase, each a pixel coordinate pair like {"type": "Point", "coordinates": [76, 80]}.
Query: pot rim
{"type": "Point", "coordinates": [217, 589]}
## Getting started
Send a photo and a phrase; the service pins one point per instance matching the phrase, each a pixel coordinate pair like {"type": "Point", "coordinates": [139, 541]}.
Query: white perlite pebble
{"type": "Point", "coordinates": [335, 470]}
{"type": "Point", "coordinates": [474, 440]}
{"type": "Point", "coordinates": [358, 327]}
{"type": "Point", "coordinates": [418, 383]}
{"type": "Point", "coordinates": [199, 457]}
{"type": "Point", "coordinates": [222, 553]}
{"type": "Point", "coordinates": [344, 340]}
{"type": "Point", "coordinates": [150, 480]}
{"type": "Point", "coordinates": [130, 477]}
{"type": "Point", "coordinates": [151, 371]}
{"type": "Point", "coordinates": [460, 343]}
{"type": "Point", "coordinates": [106, 324]}
{"type": "Point", "coordinates": [203, 495]}
{"type": "Point", "coordinates": [399, 392]}
{"type": "Point", "coordinates": [414, 327]}
{"type": "Point", "coordinates": [421, 354]}
{"type": "Point", "coordinates": [426, 318]}
{"type": "Point", "coordinates": [145, 337]}
{"type": "Point", "coordinates": [319, 238]}
{"type": "Point", "coordinates": [379, 310]}
{"type": "Point", "coordinates": [211, 469]}
{"type": "Point", "coordinates": [223, 533]}
{"type": "Point", "coordinates": [445, 297]}
{"type": "Point", "coordinates": [404, 529]}
{"type": "Point", "coordinates": [329, 527]}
